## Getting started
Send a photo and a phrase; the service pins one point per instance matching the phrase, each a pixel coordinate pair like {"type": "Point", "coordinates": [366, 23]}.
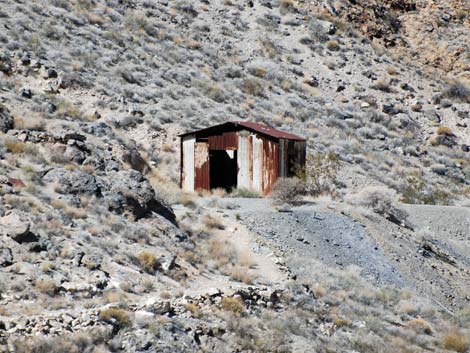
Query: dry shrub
{"type": "Point", "coordinates": [148, 261]}
{"type": "Point", "coordinates": [320, 173]}
{"type": "Point", "coordinates": [444, 130]}
{"type": "Point", "coordinates": [212, 222]}
{"type": "Point", "coordinates": [46, 286]}
{"type": "Point", "coordinates": [455, 341]}
{"type": "Point", "coordinates": [73, 212]}
{"type": "Point", "coordinates": [193, 309]}
{"type": "Point", "coordinates": [332, 45]}
{"type": "Point", "coordinates": [116, 316]}
{"type": "Point", "coordinates": [232, 304]}
{"type": "Point", "coordinates": [381, 200]}
{"type": "Point", "coordinates": [458, 92]}
{"type": "Point", "coordinates": [287, 190]}
{"type": "Point", "coordinates": [383, 85]}
{"type": "Point", "coordinates": [420, 325]}
{"type": "Point", "coordinates": [15, 146]}
{"type": "Point", "coordinates": [392, 70]}
{"type": "Point", "coordinates": [240, 274]}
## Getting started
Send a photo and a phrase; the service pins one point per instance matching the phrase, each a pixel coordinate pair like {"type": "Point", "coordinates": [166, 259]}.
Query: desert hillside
{"type": "Point", "coordinates": [100, 251]}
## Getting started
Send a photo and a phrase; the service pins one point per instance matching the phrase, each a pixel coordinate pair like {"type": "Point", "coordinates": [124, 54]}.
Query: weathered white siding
{"type": "Point", "coordinates": [188, 163]}
{"type": "Point", "coordinates": [257, 164]}
{"type": "Point", "coordinates": [244, 161]}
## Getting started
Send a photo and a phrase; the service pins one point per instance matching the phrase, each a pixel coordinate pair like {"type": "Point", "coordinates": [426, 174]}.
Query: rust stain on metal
{"type": "Point", "coordinates": [226, 141]}
{"type": "Point", "coordinates": [270, 166]}
{"type": "Point", "coordinates": [201, 166]}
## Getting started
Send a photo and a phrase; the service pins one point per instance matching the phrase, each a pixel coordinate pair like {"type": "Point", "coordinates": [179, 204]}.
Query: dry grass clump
{"type": "Point", "coordinates": [444, 130]}
{"type": "Point", "coordinates": [332, 45]}
{"type": "Point", "coordinates": [193, 309]}
{"type": "Point", "coordinates": [383, 85]}
{"type": "Point", "coordinates": [46, 286]}
{"type": "Point", "coordinates": [232, 304]}
{"type": "Point", "coordinates": [240, 273]}
{"type": "Point", "coordinates": [73, 212]}
{"type": "Point", "coordinates": [116, 316]}
{"type": "Point", "coordinates": [148, 261]}
{"type": "Point", "coordinates": [15, 146]}
{"type": "Point", "coordinates": [420, 326]}
{"type": "Point", "coordinates": [287, 190]}
{"type": "Point", "coordinates": [212, 222]}
{"type": "Point", "coordinates": [458, 92]}
{"type": "Point", "coordinates": [455, 341]}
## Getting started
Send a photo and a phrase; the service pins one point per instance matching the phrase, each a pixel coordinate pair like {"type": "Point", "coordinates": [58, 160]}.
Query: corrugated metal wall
{"type": "Point", "coordinates": [201, 166]}
{"type": "Point", "coordinates": [187, 175]}
{"type": "Point", "coordinates": [260, 160]}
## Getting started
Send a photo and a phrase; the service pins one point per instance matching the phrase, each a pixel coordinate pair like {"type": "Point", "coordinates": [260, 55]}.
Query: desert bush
{"type": "Point", "coordinates": [46, 286]}
{"type": "Point", "coordinates": [148, 261]}
{"type": "Point", "coordinates": [288, 190]}
{"type": "Point", "coordinates": [232, 304]}
{"type": "Point", "coordinates": [455, 342]}
{"type": "Point", "coordinates": [245, 193]}
{"type": "Point", "coordinates": [332, 45]}
{"type": "Point", "coordinates": [381, 200]}
{"type": "Point", "coordinates": [458, 91]}
{"type": "Point", "coordinates": [420, 326]}
{"type": "Point", "coordinates": [320, 173]}
{"type": "Point", "coordinates": [444, 130]}
{"type": "Point", "coordinates": [383, 85]}
{"type": "Point", "coordinates": [252, 86]}
{"type": "Point", "coordinates": [86, 341]}
{"type": "Point", "coordinates": [212, 222]}
{"type": "Point", "coordinates": [15, 146]}
{"type": "Point", "coordinates": [117, 316]}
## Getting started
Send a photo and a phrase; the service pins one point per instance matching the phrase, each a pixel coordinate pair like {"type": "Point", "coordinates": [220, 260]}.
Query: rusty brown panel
{"type": "Point", "coordinates": [250, 154]}
{"type": "Point", "coordinates": [270, 165]}
{"type": "Point", "coordinates": [226, 141]}
{"type": "Point", "coordinates": [201, 166]}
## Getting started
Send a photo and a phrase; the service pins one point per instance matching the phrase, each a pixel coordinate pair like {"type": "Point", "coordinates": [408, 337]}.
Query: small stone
{"type": "Point", "coordinates": [51, 73]}
{"type": "Point", "coordinates": [26, 93]}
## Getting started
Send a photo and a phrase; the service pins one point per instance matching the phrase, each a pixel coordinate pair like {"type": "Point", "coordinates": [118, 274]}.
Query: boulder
{"type": "Point", "coordinates": [75, 182]}
{"type": "Point", "coordinates": [6, 120]}
{"type": "Point", "coordinates": [6, 257]}
{"type": "Point", "coordinates": [16, 225]}
{"type": "Point", "coordinates": [130, 192]}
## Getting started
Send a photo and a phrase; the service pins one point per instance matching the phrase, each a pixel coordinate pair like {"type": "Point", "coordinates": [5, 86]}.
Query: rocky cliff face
{"type": "Point", "coordinates": [99, 250]}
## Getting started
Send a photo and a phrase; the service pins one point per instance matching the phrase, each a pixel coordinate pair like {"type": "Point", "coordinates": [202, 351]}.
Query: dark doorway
{"type": "Point", "coordinates": [223, 169]}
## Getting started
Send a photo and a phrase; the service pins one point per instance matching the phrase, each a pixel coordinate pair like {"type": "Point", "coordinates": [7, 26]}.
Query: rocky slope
{"type": "Point", "coordinates": [100, 251]}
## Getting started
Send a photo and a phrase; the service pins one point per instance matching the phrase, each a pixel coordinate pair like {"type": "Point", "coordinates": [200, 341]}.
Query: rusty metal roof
{"type": "Point", "coordinates": [256, 127]}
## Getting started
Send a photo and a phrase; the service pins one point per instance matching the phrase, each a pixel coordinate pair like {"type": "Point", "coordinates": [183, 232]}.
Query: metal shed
{"type": "Point", "coordinates": [238, 154]}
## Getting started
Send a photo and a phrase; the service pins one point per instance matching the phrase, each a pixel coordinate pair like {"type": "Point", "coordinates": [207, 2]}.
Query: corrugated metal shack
{"type": "Point", "coordinates": [239, 154]}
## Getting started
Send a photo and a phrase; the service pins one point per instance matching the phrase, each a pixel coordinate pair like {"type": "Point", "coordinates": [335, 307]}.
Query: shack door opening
{"type": "Point", "coordinates": [223, 169]}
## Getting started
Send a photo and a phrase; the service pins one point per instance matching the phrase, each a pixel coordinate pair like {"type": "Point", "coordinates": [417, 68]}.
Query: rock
{"type": "Point", "coordinates": [51, 73]}
{"type": "Point", "coordinates": [390, 109]}
{"type": "Point", "coordinates": [132, 194]}
{"type": "Point", "coordinates": [25, 59]}
{"type": "Point", "coordinates": [6, 120]}
{"type": "Point", "coordinates": [6, 257]}
{"type": "Point", "coordinates": [75, 182]}
{"type": "Point", "coordinates": [433, 115]}
{"type": "Point", "coordinates": [445, 140]}
{"type": "Point", "coordinates": [26, 93]}
{"type": "Point", "coordinates": [135, 160]}
{"type": "Point", "coordinates": [51, 108]}
{"type": "Point", "coordinates": [73, 154]}
{"type": "Point", "coordinates": [439, 169]}
{"type": "Point", "coordinates": [167, 263]}
{"type": "Point", "coordinates": [91, 261]}
{"type": "Point", "coordinates": [16, 225]}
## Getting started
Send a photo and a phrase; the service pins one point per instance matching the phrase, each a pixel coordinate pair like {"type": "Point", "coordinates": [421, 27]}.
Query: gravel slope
{"type": "Point", "coordinates": [308, 235]}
